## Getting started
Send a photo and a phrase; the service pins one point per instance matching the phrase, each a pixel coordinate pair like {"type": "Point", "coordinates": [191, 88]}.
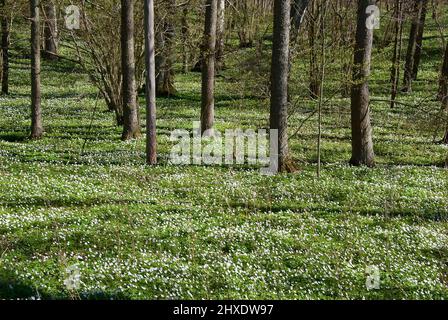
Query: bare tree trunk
{"type": "Point", "coordinates": [418, 49]}
{"type": "Point", "coordinates": [412, 46]}
{"type": "Point", "coordinates": [279, 79]}
{"type": "Point", "coordinates": [165, 55]}
{"type": "Point", "coordinates": [247, 27]}
{"type": "Point", "coordinates": [298, 10]}
{"type": "Point", "coordinates": [5, 50]}
{"type": "Point", "coordinates": [362, 144]}
{"type": "Point", "coordinates": [208, 66]}
{"type": "Point", "coordinates": [36, 112]}
{"type": "Point", "coordinates": [445, 138]}
{"type": "Point", "coordinates": [131, 124]}
{"type": "Point", "coordinates": [314, 49]}
{"type": "Point", "coordinates": [151, 137]}
{"type": "Point", "coordinates": [220, 29]}
{"type": "Point", "coordinates": [443, 83]}
{"type": "Point", "coordinates": [443, 90]}
{"type": "Point", "coordinates": [396, 60]}
{"type": "Point", "coordinates": [348, 30]}
{"type": "Point", "coordinates": [185, 31]}
{"type": "Point", "coordinates": [50, 31]}
{"type": "Point", "coordinates": [322, 83]}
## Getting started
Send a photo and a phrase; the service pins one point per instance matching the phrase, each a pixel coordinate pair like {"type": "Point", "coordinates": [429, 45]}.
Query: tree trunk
{"type": "Point", "coordinates": [220, 29]}
{"type": "Point", "coordinates": [314, 49]}
{"type": "Point", "coordinates": [412, 46]}
{"type": "Point", "coordinates": [362, 144]}
{"type": "Point", "coordinates": [131, 123]}
{"type": "Point", "coordinates": [279, 79]}
{"type": "Point", "coordinates": [396, 60]}
{"type": "Point", "coordinates": [443, 83]}
{"type": "Point", "coordinates": [298, 9]}
{"type": "Point", "coordinates": [185, 31]}
{"type": "Point", "coordinates": [50, 31]}
{"type": "Point", "coordinates": [36, 112]}
{"type": "Point", "coordinates": [246, 30]}
{"type": "Point", "coordinates": [5, 50]}
{"type": "Point", "coordinates": [165, 56]}
{"type": "Point", "coordinates": [418, 49]}
{"type": "Point", "coordinates": [443, 90]}
{"type": "Point", "coordinates": [208, 66]}
{"type": "Point", "coordinates": [151, 138]}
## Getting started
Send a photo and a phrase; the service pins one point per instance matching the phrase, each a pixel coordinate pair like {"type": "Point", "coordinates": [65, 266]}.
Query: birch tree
{"type": "Point", "coordinates": [151, 137]}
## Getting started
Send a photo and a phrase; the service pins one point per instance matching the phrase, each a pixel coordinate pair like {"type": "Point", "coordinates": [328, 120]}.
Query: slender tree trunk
{"type": "Point", "coordinates": [348, 30]}
{"type": "Point", "coordinates": [247, 27]}
{"type": "Point", "coordinates": [322, 83]}
{"type": "Point", "coordinates": [298, 10]}
{"type": "Point", "coordinates": [208, 66]}
{"type": "Point", "coordinates": [314, 49]}
{"type": "Point", "coordinates": [151, 137]}
{"type": "Point", "coordinates": [5, 50]}
{"type": "Point", "coordinates": [36, 112]}
{"type": "Point", "coordinates": [220, 29]}
{"type": "Point", "coordinates": [443, 90]}
{"type": "Point", "coordinates": [50, 31]}
{"type": "Point", "coordinates": [362, 144]}
{"type": "Point", "coordinates": [443, 83]}
{"type": "Point", "coordinates": [131, 125]}
{"type": "Point", "coordinates": [445, 138]}
{"type": "Point", "coordinates": [412, 46]}
{"type": "Point", "coordinates": [185, 31]}
{"type": "Point", "coordinates": [396, 60]}
{"type": "Point", "coordinates": [279, 79]}
{"type": "Point", "coordinates": [418, 49]}
{"type": "Point", "coordinates": [165, 57]}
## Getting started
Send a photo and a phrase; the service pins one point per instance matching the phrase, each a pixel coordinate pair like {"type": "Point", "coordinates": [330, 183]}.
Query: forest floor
{"type": "Point", "coordinates": [219, 231]}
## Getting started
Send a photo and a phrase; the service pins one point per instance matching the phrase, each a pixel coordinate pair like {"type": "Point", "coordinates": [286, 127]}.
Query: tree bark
{"type": "Point", "coordinates": [443, 83]}
{"type": "Point", "coordinates": [5, 49]}
{"type": "Point", "coordinates": [279, 79]}
{"type": "Point", "coordinates": [36, 112]}
{"type": "Point", "coordinates": [151, 137]}
{"type": "Point", "coordinates": [418, 49]}
{"type": "Point", "coordinates": [314, 49]}
{"type": "Point", "coordinates": [208, 66]}
{"type": "Point", "coordinates": [412, 46]}
{"type": "Point", "coordinates": [396, 60]}
{"type": "Point", "coordinates": [443, 90]}
{"type": "Point", "coordinates": [362, 143]}
{"type": "Point", "coordinates": [298, 9]}
{"type": "Point", "coordinates": [185, 31]}
{"type": "Point", "coordinates": [220, 29]}
{"type": "Point", "coordinates": [131, 123]}
{"type": "Point", "coordinates": [50, 31]}
{"type": "Point", "coordinates": [165, 56]}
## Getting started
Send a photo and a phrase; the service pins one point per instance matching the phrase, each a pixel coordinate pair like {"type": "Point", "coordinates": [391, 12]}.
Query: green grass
{"type": "Point", "coordinates": [220, 232]}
